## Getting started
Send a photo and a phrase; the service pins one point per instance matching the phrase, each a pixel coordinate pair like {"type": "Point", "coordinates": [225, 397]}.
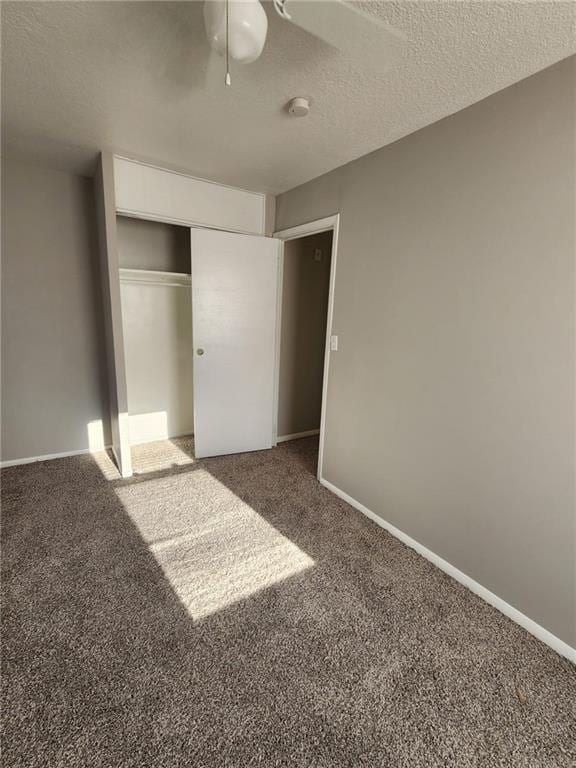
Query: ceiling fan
{"type": "Point", "coordinates": [238, 28]}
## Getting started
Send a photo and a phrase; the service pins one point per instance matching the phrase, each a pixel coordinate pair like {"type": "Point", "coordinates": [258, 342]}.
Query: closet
{"type": "Point", "coordinates": [156, 298]}
{"type": "Point", "coordinates": [178, 284]}
{"type": "Point", "coordinates": [190, 290]}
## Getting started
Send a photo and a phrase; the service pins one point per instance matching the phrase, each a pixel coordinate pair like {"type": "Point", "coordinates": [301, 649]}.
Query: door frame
{"type": "Point", "coordinates": [327, 224]}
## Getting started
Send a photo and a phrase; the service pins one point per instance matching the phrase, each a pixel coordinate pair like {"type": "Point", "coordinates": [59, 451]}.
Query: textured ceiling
{"type": "Point", "coordinates": [139, 78]}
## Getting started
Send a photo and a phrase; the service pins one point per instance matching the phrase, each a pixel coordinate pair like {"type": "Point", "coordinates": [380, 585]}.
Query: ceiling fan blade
{"type": "Point", "coordinates": [349, 29]}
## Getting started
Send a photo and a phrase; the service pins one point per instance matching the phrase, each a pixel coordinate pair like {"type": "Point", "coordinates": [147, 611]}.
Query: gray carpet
{"type": "Point", "coordinates": [232, 612]}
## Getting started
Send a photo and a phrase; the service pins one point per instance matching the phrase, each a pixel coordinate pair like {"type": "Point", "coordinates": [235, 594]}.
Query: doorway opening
{"type": "Point", "coordinates": [307, 274]}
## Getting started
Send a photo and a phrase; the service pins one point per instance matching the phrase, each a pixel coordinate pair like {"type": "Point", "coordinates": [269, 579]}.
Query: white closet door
{"type": "Point", "coordinates": [234, 300]}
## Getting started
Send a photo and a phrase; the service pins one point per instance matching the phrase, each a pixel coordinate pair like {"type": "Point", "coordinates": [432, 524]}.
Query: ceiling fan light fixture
{"type": "Point", "coordinates": [242, 25]}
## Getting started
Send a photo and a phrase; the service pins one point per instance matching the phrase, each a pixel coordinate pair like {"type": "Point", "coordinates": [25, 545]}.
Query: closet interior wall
{"type": "Point", "coordinates": [156, 295]}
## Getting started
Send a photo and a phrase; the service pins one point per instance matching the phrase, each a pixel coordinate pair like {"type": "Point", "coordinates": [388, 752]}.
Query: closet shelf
{"type": "Point", "coordinates": [155, 277]}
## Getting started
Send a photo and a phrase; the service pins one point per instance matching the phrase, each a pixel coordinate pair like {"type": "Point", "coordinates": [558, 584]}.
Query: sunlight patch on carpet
{"type": "Point", "coordinates": [214, 549]}
{"type": "Point", "coordinates": [161, 455]}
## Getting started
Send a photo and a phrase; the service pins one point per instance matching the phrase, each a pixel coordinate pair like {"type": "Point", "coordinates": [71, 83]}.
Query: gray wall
{"type": "Point", "coordinates": [153, 245]}
{"type": "Point", "coordinates": [450, 406]}
{"type": "Point", "coordinates": [53, 364]}
{"type": "Point", "coordinates": [303, 333]}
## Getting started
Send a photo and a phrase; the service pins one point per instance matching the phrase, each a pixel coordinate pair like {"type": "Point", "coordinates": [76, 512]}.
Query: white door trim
{"type": "Point", "coordinates": [293, 233]}
{"type": "Point", "coordinates": [112, 305]}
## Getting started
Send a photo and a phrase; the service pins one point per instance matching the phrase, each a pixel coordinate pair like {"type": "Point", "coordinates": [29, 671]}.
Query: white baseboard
{"type": "Point", "coordinates": [82, 452]}
{"type": "Point", "coordinates": [508, 610]}
{"type": "Point", "coordinates": [297, 435]}
{"type": "Point", "coordinates": [47, 457]}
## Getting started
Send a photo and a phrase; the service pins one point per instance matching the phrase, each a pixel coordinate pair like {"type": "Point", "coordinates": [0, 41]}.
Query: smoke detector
{"type": "Point", "coordinates": [298, 107]}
